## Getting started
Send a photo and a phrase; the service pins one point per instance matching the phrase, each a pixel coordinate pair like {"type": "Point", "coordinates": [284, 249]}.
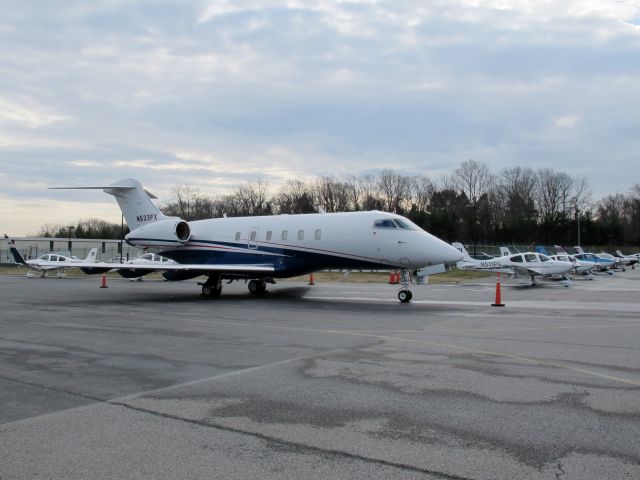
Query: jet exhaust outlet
{"type": "Point", "coordinates": [171, 229]}
{"type": "Point", "coordinates": [183, 231]}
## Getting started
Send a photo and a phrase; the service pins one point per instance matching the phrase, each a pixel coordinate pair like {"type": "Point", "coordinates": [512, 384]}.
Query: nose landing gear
{"type": "Point", "coordinates": [405, 295]}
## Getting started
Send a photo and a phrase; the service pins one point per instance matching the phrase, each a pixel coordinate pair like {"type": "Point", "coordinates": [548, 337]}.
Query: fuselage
{"type": "Point", "coordinates": [298, 244]}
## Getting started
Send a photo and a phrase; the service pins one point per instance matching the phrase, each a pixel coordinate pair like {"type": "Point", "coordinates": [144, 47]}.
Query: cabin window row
{"type": "Point", "coordinates": [284, 235]}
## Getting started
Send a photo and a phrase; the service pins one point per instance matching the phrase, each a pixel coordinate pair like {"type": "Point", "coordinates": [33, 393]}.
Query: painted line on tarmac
{"type": "Point", "coordinates": [439, 344]}
{"type": "Point", "coordinates": [191, 383]}
{"type": "Point", "coordinates": [131, 396]}
{"type": "Point", "coordinates": [497, 354]}
{"type": "Point", "coordinates": [537, 305]}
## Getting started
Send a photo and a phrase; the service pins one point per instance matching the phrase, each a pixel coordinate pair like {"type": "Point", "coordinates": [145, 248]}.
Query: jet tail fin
{"type": "Point", "coordinates": [14, 251]}
{"type": "Point", "coordinates": [458, 246]}
{"type": "Point", "coordinates": [134, 201]}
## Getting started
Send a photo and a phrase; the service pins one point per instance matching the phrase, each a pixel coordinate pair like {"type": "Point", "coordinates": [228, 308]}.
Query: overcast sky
{"type": "Point", "coordinates": [210, 93]}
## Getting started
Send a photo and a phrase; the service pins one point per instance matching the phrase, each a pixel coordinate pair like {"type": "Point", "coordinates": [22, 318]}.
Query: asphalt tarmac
{"type": "Point", "coordinates": [149, 380]}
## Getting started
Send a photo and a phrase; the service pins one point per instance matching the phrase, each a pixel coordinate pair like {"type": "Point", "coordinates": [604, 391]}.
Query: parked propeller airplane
{"type": "Point", "coordinates": [536, 264]}
{"type": "Point", "coordinates": [51, 261]}
{"type": "Point", "coordinates": [581, 267]}
{"type": "Point", "coordinates": [532, 264]}
{"type": "Point", "coordinates": [261, 249]}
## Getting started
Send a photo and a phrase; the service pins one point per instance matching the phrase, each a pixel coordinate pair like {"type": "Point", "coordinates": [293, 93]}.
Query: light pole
{"type": "Point", "coordinates": [71, 229]}
{"type": "Point", "coordinates": [578, 221]}
{"type": "Point", "coordinates": [121, 236]}
{"type": "Point", "coordinates": [474, 233]}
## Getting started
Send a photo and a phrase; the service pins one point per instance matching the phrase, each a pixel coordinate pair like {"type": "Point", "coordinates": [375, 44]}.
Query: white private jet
{"type": "Point", "coordinates": [535, 264]}
{"type": "Point", "coordinates": [260, 249]}
{"type": "Point", "coordinates": [50, 262]}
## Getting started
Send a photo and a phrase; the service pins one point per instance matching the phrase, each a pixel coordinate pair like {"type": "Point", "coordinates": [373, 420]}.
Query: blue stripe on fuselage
{"type": "Point", "coordinates": [286, 261]}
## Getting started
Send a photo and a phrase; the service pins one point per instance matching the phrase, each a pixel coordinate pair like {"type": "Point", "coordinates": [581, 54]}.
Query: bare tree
{"type": "Point", "coordinates": [252, 198]}
{"type": "Point", "coordinates": [553, 191]}
{"type": "Point", "coordinates": [295, 196]}
{"type": "Point", "coordinates": [395, 190]}
{"type": "Point", "coordinates": [332, 195]}
{"type": "Point", "coordinates": [368, 193]}
{"type": "Point", "coordinates": [422, 189]}
{"type": "Point", "coordinates": [473, 178]}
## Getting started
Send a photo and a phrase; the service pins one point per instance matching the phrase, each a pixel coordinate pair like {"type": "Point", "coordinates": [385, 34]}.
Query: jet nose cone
{"type": "Point", "coordinates": [451, 255]}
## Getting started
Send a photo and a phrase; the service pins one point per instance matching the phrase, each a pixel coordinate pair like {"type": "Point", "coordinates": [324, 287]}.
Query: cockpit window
{"type": "Point", "coordinates": [404, 224]}
{"type": "Point", "coordinates": [544, 258]}
{"type": "Point", "coordinates": [531, 257]}
{"type": "Point", "coordinates": [516, 258]}
{"type": "Point", "coordinates": [147, 256]}
{"type": "Point", "coordinates": [385, 223]}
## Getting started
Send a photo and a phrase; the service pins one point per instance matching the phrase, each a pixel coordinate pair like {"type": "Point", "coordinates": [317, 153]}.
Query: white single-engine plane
{"type": "Point", "coordinates": [485, 265]}
{"type": "Point", "coordinates": [261, 249]}
{"type": "Point", "coordinates": [50, 262]}
{"type": "Point", "coordinates": [530, 263]}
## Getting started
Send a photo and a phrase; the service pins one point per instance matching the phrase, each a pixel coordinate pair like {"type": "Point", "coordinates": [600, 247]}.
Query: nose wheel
{"type": "Point", "coordinates": [405, 294]}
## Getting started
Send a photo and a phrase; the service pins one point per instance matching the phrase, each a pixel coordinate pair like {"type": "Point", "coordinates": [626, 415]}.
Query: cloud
{"type": "Point", "coordinates": [213, 93]}
{"type": "Point", "coordinates": [567, 121]}
{"type": "Point", "coordinates": [29, 116]}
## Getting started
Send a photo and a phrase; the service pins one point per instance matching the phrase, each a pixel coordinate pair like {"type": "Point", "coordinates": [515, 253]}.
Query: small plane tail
{"type": "Point", "coordinates": [620, 254]}
{"type": "Point", "coordinates": [542, 250]}
{"type": "Point", "coordinates": [92, 257]}
{"type": "Point", "coordinates": [578, 249]}
{"type": "Point", "coordinates": [560, 250]}
{"type": "Point", "coordinates": [505, 252]}
{"type": "Point", "coordinates": [14, 251]}
{"type": "Point", "coordinates": [458, 246]}
{"type": "Point", "coordinates": [134, 201]}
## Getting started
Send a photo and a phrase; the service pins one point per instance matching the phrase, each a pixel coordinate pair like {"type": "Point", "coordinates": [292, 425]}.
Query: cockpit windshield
{"type": "Point", "coordinates": [401, 223]}
{"type": "Point", "coordinates": [385, 223]}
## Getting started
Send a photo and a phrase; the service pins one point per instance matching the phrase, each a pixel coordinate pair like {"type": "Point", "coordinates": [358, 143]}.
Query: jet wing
{"type": "Point", "coordinates": [178, 267]}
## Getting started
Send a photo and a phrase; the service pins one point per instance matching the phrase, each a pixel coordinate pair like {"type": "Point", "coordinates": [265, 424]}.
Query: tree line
{"type": "Point", "coordinates": [472, 204]}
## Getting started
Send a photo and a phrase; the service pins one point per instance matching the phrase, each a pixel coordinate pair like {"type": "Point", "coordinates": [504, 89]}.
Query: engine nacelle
{"type": "Point", "coordinates": [169, 230]}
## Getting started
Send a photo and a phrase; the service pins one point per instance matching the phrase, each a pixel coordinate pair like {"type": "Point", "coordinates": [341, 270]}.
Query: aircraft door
{"type": "Point", "coordinates": [253, 238]}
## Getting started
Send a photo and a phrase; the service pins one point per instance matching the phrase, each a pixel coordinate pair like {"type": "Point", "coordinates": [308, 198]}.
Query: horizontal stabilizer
{"type": "Point", "coordinates": [112, 187]}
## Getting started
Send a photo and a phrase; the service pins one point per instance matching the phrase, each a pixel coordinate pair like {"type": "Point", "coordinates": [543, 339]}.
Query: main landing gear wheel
{"type": "Point", "coordinates": [209, 291]}
{"type": "Point", "coordinates": [256, 287]}
{"type": "Point", "coordinates": [405, 296]}
{"type": "Point", "coordinates": [212, 287]}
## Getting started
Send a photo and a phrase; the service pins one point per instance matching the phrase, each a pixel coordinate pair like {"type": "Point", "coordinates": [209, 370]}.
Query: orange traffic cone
{"type": "Point", "coordinates": [104, 281]}
{"type": "Point", "coordinates": [311, 279]}
{"type": "Point", "coordinates": [498, 297]}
